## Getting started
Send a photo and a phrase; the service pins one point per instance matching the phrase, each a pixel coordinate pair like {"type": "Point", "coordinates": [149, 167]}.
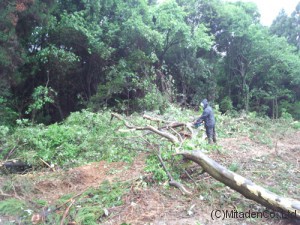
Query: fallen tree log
{"type": "Point", "coordinates": [235, 181]}
{"type": "Point", "coordinates": [244, 186]}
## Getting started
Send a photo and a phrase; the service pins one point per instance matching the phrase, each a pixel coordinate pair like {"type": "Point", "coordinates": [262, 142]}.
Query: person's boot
{"type": "Point", "coordinates": [210, 141]}
{"type": "Point", "coordinates": [214, 139]}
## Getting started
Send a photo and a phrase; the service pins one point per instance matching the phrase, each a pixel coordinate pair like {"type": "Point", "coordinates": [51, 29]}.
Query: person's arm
{"type": "Point", "coordinates": [203, 116]}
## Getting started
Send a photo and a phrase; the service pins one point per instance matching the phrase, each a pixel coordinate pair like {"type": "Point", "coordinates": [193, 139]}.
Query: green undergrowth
{"type": "Point", "coordinates": [261, 130]}
{"type": "Point", "coordinates": [90, 207]}
{"type": "Point", "coordinates": [87, 136]}
{"type": "Point", "coordinates": [83, 137]}
{"type": "Point", "coordinates": [93, 205]}
{"type": "Point", "coordinates": [12, 207]}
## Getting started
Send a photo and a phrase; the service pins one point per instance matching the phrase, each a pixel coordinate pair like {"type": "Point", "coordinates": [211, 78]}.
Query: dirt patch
{"type": "Point", "coordinates": [245, 150]}
{"type": "Point", "coordinates": [244, 147]}
{"type": "Point", "coordinates": [157, 206]}
{"type": "Point", "coordinates": [50, 186]}
{"type": "Point", "coordinates": [74, 180]}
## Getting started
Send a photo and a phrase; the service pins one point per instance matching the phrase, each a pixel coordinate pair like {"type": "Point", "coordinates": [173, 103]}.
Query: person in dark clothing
{"type": "Point", "coordinates": [209, 121]}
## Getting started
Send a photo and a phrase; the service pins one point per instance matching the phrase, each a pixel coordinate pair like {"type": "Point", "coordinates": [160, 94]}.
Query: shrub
{"type": "Point", "coordinates": [82, 137]}
{"type": "Point", "coordinates": [296, 125]}
{"type": "Point", "coordinates": [226, 105]}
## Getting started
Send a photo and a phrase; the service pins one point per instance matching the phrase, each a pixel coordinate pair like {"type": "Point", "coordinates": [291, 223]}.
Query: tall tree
{"type": "Point", "coordinates": [288, 26]}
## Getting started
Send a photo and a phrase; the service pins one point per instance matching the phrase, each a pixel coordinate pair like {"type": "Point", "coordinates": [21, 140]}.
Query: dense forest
{"type": "Point", "coordinates": [98, 103]}
{"type": "Point", "coordinates": [57, 57]}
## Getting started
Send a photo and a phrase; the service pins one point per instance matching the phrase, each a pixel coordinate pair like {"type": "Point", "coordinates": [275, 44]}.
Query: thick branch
{"type": "Point", "coordinates": [166, 135]}
{"type": "Point", "coordinates": [147, 117]}
{"type": "Point", "coordinates": [169, 123]}
{"type": "Point", "coordinates": [169, 136]}
{"type": "Point", "coordinates": [242, 185]}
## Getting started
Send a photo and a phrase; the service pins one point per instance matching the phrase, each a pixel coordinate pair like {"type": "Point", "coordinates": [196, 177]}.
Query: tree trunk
{"type": "Point", "coordinates": [244, 186]}
{"type": "Point", "coordinates": [273, 109]}
{"type": "Point", "coordinates": [276, 107]}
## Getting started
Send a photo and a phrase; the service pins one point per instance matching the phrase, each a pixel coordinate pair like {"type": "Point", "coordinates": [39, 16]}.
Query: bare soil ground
{"type": "Point", "coordinates": [276, 167]}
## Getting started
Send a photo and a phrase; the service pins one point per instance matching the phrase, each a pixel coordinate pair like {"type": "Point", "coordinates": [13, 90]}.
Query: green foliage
{"type": "Point", "coordinates": [296, 125]}
{"type": "Point", "coordinates": [287, 26]}
{"type": "Point", "coordinates": [8, 116]}
{"type": "Point", "coordinates": [88, 215]}
{"type": "Point", "coordinates": [154, 167]}
{"type": "Point", "coordinates": [295, 110]}
{"type": "Point", "coordinates": [153, 101]}
{"type": "Point", "coordinates": [83, 137]}
{"type": "Point", "coordinates": [4, 131]}
{"type": "Point", "coordinates": [109, 194]}
{"type": "Point", "coordinates": [53, 55]}
{"type": "Point", "coordinates": [226, 105]}
{"type": "Point", "coordinates": [41, 202]}
{"type": "Point", "coordinates": [121, 54]}
{"type": "Point", "coordinates": [12, 207]}
{"type": "Point", "coordinates": [233, 167]}
{"type": "Point", "coordinates": [41, 96]}
{"type": "Point", "coordinates": [7, 113]}
{"type": "Point", "coordinates": [286, 115]}
{"type": "Point", "coordinates": [92, 205]}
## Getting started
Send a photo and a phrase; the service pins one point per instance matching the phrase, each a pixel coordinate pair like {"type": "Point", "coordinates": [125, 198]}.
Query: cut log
{"type": "Point", "coordinates": [244, 186]}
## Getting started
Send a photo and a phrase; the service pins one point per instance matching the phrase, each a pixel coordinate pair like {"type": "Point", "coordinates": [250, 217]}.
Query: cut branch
{"type": "Point", "coordinates": [166, 135]}
{"type": "Point", "coordinates": [244, 186]}
{"type": "Point", "coordinates": [40, 217]}
{"type": "Point", "coordinates": [173, 182]}
{"type": "Point", "coordinates": [170, 124]}
{"type": "Point", "coordinates": [66, 213]}
{"type": "Point", "coordinates": [154, 119]}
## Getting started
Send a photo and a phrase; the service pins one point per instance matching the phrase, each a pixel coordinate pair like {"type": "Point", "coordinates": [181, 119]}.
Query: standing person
{"type": "Point", "coordinates": [209, 121]}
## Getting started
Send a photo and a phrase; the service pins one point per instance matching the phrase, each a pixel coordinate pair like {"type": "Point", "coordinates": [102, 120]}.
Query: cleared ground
{"type": "Point", "coordinates": [276, 168]}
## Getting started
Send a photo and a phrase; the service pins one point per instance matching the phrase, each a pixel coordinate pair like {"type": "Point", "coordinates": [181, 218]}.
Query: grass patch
{"type": "Point", "coordinates": [234, 167]}
{"type": "Point", "coordinates": [91, 207]}
{"type": "Point", "coordinates": [12, 207]}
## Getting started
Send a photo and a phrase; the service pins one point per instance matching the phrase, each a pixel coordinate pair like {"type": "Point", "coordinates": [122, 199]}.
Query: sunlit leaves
{"type": "Point", "coordinates": [90, 30]}
{"type": "Point", "coordinates": [41, 96]}
{"type": "Point", "coordinates": [201, 37]}
{"type": "Point", "coordinates": [52, 53]}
